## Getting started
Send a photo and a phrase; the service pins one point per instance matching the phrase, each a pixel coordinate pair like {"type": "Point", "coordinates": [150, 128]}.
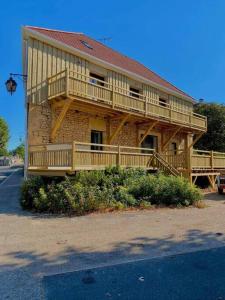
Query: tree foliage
{"type": "Point", "coordinates": [214, 139]}
{"type": "Point", "coordinates": [4, 136]}
{"type": "Point", "coordinates": [19, 150]}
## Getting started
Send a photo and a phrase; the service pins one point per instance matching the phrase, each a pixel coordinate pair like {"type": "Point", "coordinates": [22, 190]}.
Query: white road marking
{"type": "Point", "coordinates": [7, 178]}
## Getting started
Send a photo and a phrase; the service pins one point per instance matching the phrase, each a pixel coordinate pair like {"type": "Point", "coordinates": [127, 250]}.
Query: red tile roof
{"type": "Point", "coordinates": [106, 54]}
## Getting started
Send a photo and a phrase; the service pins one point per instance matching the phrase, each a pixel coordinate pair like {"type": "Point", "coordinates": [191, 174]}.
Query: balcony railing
{"type": "Point", "coordinates": [208, 160]}
{"type": "Point", "coordinates": [81, 156]}
{"type": "Point", "coordinates": [70, 83]}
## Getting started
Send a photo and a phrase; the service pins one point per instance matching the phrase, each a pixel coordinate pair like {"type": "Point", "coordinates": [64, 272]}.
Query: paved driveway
{"type": "Point", "coordinates": [33, 246]}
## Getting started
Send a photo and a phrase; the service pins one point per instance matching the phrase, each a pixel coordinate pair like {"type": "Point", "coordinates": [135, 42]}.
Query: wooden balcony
{"type": "Point", "coordinates": [80, 87]}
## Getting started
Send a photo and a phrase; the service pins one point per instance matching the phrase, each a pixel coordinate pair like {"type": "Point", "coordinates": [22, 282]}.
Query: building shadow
{"type": "Point", "coordinates": [214, 196]}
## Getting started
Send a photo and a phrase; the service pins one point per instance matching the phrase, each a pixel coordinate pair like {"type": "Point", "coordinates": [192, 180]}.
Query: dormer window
{"type": "Point", "coordinates": [134, 92]}
{"type": "Point", "coordinates": [97, 79]}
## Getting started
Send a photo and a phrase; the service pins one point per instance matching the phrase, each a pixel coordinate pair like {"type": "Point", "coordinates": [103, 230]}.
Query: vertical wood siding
{"type": "Point", "coordinates": [180, 104]}
{"type": "Point", "coordinates": [118, 80]}
{"type": "Point", "coordinates": [45, 61]}
{"type": "Point", "coordinates": [151, 93]}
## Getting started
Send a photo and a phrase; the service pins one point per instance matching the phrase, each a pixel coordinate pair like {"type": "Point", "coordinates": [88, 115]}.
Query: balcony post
{"type": "Point", "coordinates": [67, 82]}
{"type": "Point", "coordinates": [212, 159]}
{"type": "Point", "coordinates": [190, 119]}
{"type": "Point", "coordinates": [112, 98]}
{"type": "Point", "coordinates": [48, 88]}
{"type": "Point", "coordinates": [45, 157]}
{"type": "Point", "coordinates": [146, 106]}
{"type": "Point", "coordinates": [73, 155]}
{"type": "Point", "coordinates": [119, 156]}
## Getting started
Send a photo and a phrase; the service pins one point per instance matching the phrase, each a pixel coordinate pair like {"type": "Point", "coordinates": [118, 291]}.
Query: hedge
{"type": "Point", "coordinates": [113, 188]}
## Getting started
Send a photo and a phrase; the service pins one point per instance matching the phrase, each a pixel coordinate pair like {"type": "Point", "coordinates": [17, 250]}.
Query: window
{"type": "Point", "coordinates": [162, 102]}
{"type": "Point", "coordinates": [96, 138]}
{"type": "Point", "coordinates": [151, 142]}
{"type": "Point", "coordinates": [86, 44]}
{"type": "Point", "coordinates": [134, 92]}
{"type": "Point", "coordinates": [174, 148]}
{"type": "Point", "coordinates": [97, 79]}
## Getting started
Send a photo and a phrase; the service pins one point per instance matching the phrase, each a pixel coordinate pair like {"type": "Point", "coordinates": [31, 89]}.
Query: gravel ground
{"type": "Point", "coordinates": [35, 245]}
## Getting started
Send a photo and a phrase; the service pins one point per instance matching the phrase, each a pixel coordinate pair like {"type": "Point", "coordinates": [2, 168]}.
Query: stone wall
{"type": "Point", "coordinates": [39, 124]}
{"type": "Point", "coordinates": [77, 126]}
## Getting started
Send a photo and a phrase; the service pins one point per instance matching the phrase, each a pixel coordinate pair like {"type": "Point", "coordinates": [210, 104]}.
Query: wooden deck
{"type": "Point", "coordinates": [69, 84]}
{"type": "Point", "coordinates": [67, 158]}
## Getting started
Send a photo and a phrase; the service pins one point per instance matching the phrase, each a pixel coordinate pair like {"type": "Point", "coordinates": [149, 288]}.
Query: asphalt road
{"type": "Point", "coordinates": [193, 276]}
{"type": "Point", "coordinates": [5, 172]}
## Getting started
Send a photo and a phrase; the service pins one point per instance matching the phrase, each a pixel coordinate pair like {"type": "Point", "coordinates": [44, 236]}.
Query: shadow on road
{"type": "Point", "coordinates": [138, 248]}
{"type": "Point", "coordinates": [24, 273]}
{"type": "Point", "coordinates": [214, 197]}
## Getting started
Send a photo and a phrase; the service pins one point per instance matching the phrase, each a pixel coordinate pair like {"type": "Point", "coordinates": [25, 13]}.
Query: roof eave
{"type": "Point", "coordinates": [32, 33]}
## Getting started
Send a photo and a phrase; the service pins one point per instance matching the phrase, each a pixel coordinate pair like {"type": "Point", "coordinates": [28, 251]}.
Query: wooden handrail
{"type": "Point", "coordinates": [117, 89]}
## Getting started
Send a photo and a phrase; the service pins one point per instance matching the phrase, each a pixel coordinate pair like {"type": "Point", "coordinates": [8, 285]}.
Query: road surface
{"type": "Point", "coordinates": [5, 172]}
{"type": "Point", "coordinates": [193, 276]}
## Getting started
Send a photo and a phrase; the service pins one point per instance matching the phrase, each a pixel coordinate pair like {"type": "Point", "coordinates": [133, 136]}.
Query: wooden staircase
{"type": "Point", "coordinates": [157, 161]}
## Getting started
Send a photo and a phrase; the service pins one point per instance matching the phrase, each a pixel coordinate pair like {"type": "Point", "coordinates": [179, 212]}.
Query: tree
{"type": "Point", "coordinates": [214, 139]}
{"type": "Point", "coordinates": [19, 150]}
{"type": "Point", "coordinates": [4, 136]}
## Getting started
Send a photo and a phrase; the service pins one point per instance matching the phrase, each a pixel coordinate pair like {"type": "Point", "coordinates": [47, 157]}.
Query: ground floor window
{"type": "Point", "coordinates": [96, 138]}
{"type": "Point", "coordinates": [174, 148]}
{"type": "Point", "coordinates": [151, 141]}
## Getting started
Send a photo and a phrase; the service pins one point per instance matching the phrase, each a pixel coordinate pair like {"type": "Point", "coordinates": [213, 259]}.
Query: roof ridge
{"type": "Point", "coordinates": [54, 30]}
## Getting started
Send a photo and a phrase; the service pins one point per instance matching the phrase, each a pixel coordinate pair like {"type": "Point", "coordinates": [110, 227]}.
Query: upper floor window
{"type": "Point", "coordinates": [162, 102]}
{"type": "Point", "coordinates": [97, 79]}
{"type": "Point", "coordinates": [134, 92]}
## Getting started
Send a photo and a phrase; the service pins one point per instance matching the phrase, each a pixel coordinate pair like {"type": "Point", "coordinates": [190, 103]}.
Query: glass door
{"type": "Point", "coordinates": [96, 138]}
{"type": "Point", "coordinates": [151, 141]}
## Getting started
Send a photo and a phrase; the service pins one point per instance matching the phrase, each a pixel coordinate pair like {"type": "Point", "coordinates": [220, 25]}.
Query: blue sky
{"type": "Point", "coordinates": [183, 41]}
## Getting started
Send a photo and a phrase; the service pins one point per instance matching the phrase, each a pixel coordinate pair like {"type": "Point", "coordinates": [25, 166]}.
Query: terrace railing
{"type": "Point", "coordinates": [70, 83]}
{"type": "Point", "coordinates": [86, 156]}
{"type": "Point", "coordinates": [208, 159]}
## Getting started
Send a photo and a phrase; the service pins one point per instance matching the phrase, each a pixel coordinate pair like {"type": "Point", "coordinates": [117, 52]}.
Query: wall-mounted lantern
{"type": "Point", "coordinates": [11, 83]}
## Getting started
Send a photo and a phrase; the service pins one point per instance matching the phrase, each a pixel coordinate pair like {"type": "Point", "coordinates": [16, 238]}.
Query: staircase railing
{"type": "Point", "coordinates": [160, 163]}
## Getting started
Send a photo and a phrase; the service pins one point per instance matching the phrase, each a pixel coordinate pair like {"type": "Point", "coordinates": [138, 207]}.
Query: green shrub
{"type": "Point", "coordinates": [145, 204]}
{"type": "Point", "coordinates": [114, 188]}
{"type": "Point", "coordinates": [167, 190]}
{"type": "Point", "coordinates": [30, 191]}
{"type": "Point", "coordinates": [122, 194]}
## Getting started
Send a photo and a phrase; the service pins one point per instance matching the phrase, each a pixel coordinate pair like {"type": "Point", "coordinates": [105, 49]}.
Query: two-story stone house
{"type": "Point", "coordinates": [89, 107]}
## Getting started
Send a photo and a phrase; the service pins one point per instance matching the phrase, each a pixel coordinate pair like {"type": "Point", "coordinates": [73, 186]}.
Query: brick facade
{"type": "Point", "coordinates": [77, 126]}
